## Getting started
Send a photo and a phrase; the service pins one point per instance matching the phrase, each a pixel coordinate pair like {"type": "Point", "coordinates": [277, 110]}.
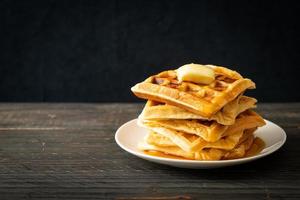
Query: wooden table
{"type": "Point", "coordinates": [68, 151]}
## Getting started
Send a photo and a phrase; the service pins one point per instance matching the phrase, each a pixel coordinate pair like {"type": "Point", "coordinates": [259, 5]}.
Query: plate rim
{"type": "Point", "coordinates": [185, 161]}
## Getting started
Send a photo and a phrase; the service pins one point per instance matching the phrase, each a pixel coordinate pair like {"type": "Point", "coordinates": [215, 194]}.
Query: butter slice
{"type": "Point", "coordinates": [195, 73]}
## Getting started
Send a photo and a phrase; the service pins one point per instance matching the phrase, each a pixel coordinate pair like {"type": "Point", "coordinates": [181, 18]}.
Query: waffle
{"type": "Point", "coordinates": [226, 116]}
{"type": "Point", "coordinates": [190, 143]}
{"type": "Point", "coordinates": [158, 140]}
{"type": "Point", "coordinates": [209, 131]}
{"type": "Point", "coordinates": [194, 143]}
{"type": "Point", "coordinates": [203, 100]}
{"type": "Point", "coordinates": [205, 154]}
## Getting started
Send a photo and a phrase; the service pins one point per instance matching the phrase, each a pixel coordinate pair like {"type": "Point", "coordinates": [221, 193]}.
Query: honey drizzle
{"type": "Point", "coordinates": [257, 146]}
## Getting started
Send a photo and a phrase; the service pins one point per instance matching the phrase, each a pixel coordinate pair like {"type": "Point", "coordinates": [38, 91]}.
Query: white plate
{"type": "Point", "coordinates": [130, 134]}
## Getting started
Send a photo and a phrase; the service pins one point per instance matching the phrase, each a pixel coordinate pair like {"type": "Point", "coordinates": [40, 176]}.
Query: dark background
{"type": "Point", "coordinates": [94, 51]}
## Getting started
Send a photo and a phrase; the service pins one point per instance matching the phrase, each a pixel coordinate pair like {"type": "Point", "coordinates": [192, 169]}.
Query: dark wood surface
{"type": "Point", "coordinates": [67, 151]}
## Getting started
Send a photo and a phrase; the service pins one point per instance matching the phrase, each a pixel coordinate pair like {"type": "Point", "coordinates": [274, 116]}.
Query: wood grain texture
{"type": "Point", "coordinates": [67, 151]}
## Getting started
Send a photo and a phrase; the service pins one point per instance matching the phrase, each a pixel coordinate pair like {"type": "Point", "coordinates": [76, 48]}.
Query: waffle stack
{"type": "Point", "coordinates": [208, 120]}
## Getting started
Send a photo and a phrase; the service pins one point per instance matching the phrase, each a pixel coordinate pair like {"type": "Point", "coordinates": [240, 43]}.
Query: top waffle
{"type": "Point", "coordinates": [204, 100]}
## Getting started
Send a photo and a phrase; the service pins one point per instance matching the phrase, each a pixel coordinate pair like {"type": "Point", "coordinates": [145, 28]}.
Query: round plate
{"type": "Point", "coordinates": [130, 134]}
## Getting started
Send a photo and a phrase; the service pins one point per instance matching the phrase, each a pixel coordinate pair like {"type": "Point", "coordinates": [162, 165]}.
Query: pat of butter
{"type": "Point", "coordinates": [196, 73]}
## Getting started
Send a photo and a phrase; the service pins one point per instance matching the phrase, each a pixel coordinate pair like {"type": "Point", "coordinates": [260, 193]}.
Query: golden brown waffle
{"type": "Point", "coordinates": [205, 154]}
{"type": "Point", "coordinates": [190, 143]}
{"type": "Point", "coordinates": [226, 116]}
{"type": "Point", "coordinates": [209, 131]}
{"type": "Point", "coordinates": [203, 100]}
{"type": "Point", "coordinates": [193, 143]}
{"type": "Point", "coordinates": [158, 140]}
